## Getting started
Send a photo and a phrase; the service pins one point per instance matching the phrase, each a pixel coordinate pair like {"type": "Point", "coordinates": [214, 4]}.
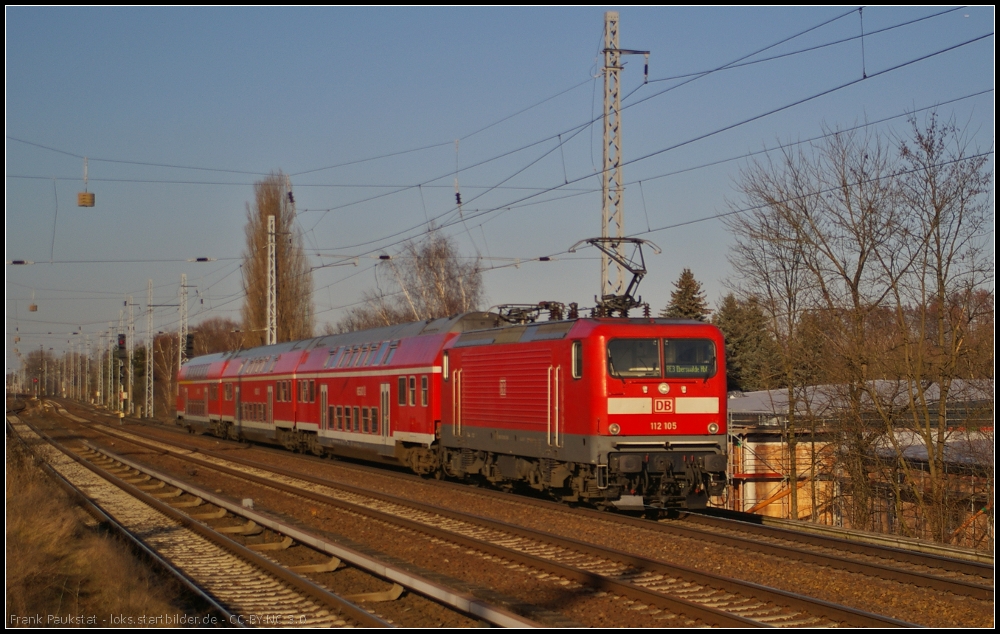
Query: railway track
{"type": "Point", "coordinates": [961, 577]}
{"type": "Point", "coordinates": [245, 587]}
{"type": "Point", "coordinates": [958, 576]}
{"type": "Point", "coordinates": [420, 590]}
{"type": "Point", "coordinates": [694, 529]}
{"type": "Point", "coordinates": [699, 597]}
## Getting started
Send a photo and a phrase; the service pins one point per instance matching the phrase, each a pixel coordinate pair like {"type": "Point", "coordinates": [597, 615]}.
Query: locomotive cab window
{"type": "Point", "coordinates": [694, 358]}
{"type": "Point", "coordinates": [634, 358]}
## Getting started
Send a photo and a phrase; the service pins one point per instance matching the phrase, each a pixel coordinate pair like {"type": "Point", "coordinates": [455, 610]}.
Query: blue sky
{"type": "Point", "coordinates": [242, 92]}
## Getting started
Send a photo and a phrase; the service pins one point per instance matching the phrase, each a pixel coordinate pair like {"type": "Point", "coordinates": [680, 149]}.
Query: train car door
{"type": "Point", "coordinates": [324, 414]}
{"type": "Point", "coordinates": [456, 402]}
{"type": "Point", "coordinates": [554, 413]}
{"type": "Point", "coordinates": [385, 409]}
{"type": "Point", "coordinates": [238, 412]}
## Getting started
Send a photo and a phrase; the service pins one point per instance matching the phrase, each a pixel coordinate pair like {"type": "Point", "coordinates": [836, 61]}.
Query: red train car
{"type": "Point", "coordinates": [625, 412]}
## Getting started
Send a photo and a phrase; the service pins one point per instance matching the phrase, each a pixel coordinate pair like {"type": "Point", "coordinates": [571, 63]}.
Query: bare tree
{"type": "Point", "coordinates": [428, 279]}
{"type": "Point", "coordinates": [771, 260]}
{"type": "Point", "coordinates": [883, 245]}
{"type": "Point", "coordinates": [216, 334]}
{"type": "Point", "coordinates": [165, 374]}
{"type": "Point", "coordinates": [272, 197]}
{"type": "Point", "coordinates": [944, 191]}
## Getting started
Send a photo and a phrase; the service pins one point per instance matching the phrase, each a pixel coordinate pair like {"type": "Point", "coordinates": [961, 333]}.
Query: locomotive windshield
{"type": "Point", "coordinates": [682, 358]}
{"type": "Point", "coordinates": [634, 358]}
{"type": "Point", "coordinates": [688, 358]}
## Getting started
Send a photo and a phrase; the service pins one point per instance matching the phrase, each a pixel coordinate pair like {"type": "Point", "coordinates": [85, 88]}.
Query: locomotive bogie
{"type": "Point", "coordinates": [626, 412]}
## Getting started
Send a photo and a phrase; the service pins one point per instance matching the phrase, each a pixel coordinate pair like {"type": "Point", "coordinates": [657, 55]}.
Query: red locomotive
{"type": "Point", "coordinates": [609, 411]}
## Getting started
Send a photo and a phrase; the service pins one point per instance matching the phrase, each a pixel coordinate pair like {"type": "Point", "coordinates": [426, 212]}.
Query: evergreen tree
{"type": "Point", "coordinates": [751, 352]}
{"type": "Point", "coordinates": [688, 301]}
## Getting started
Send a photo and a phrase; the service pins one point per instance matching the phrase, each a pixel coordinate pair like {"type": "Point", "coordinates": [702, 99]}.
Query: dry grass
{"type": "Point", "coordinates": [63, 569]}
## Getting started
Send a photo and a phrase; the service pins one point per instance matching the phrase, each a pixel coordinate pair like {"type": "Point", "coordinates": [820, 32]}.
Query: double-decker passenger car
{"type": "Point", "coordinates": [629, 412]}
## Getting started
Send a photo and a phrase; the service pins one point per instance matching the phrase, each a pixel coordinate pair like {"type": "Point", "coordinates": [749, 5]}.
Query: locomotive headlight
{"type": "Point", "coordinates": [713, 428]}
{"type": "Point", "coordinates": [614, 428]}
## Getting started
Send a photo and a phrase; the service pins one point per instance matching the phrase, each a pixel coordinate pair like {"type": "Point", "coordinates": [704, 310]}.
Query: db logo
{"type": "Point", "coordinates": [663, 406]}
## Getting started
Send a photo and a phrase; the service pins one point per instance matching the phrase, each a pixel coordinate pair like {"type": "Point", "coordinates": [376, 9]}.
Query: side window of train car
{"type": "Point", "coordinates": [577, 359]}
{"type": "Point", "coordinates": [401, 390]}
{"type": "Point", "coordinates": [331, 361]}
{"type": "Point", "coordinates": [374, 420]}
{"type": "Point", "coordinates": [380, 353]}
{"type": "Point", "coordinates": [229, 391]}
{"type": "Point", "coordinates": [340, 417]}
{"type": "Point", "coordinates": [445, 366]}
{"type": "Point", "coordinates": [357, 416]}
{"type": "Point", "coordinates": [347, 418]}
{"type": "Point", "coordinates": [392, 351]}
{"type": "Point", "coordinates": [423, 391]}
{"type": "Point", "coordinates": [372, 352]}
{"type": "Point", "coordinates": [345, 361]}
{"type": "Point", "coordinates": [413, 390]}
{"type": "Point", "coordinates": [312, 390]}
{"type": "Point", "coordinates": [364, 418]}
{"type": "Point", "coordinates": [213, 392]}
{"type": "Point", "coordinates": [356, 361]}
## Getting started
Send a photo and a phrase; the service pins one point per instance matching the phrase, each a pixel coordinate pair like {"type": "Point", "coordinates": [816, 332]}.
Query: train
{"type": "Point", "coordinates": [626, 413]}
